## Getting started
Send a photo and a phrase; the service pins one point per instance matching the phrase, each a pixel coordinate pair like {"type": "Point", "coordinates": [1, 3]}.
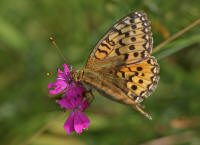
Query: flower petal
{"type": "Point", "coordinates": [85, 120]}
{"type": "Point", "coordinates": [75, 91]}
{"type": "Point", "coordinates": [59, 87]}
{"type": "Point", "coordinates": [59, 71]}
{"type": "Point", "coordinates": [66, 69]}
{"type": "Point", "coordinates": [69, 124]}
{"type": "Point", "coordinates": [84, 105]}
{"type": "Point", "coordinates": [57, 90]}
{"type": "Point", "coordinates": [80, 122]}
{"type": "Point", "coordinates": [51, 85]}
{"type": "Point", "coordinates": [66, 103]}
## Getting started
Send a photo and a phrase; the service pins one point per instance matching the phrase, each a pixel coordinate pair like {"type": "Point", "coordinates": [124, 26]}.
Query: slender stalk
{"type": "Point", "coordinates": [176, 35]}
{"type": "Point", "coordinates": [41, 130]}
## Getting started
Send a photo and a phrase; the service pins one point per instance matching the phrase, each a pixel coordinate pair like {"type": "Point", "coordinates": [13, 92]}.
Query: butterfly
{"type": "Point", "coordinates": [120, 66]}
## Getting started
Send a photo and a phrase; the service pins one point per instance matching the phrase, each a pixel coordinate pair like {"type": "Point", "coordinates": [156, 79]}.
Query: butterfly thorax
{"type": "Point", "coordinates": [85, 77]}
{"type": "Point", "coordinates": [77, 75]}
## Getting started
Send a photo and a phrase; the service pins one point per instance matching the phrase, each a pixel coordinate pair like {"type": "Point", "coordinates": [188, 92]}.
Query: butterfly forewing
{"type": "Point", "coordinates": [131, 37]}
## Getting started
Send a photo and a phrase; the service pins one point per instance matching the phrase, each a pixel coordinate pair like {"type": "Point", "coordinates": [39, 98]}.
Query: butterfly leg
{"type": "Point", "coordinates": [137, 106]}
{"type": "Point", "coordinates": [88, 94]}
{"type": "Point", "coordinates": [142, 112]}
{"type": "Point", "coordinates": [141, 106]}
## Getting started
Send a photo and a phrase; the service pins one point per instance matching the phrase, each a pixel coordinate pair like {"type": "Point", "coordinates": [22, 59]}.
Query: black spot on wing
{"type": "Point", "coordinates": [121, 43]}
{"type": "Point", "coordinates": [122, 73]}
{"type": "Point", "coordinates": [102, 51]}
{"type": "Point", "coordinates": [132, 47]}
{"type": "Point", "coordinates": [117, 51]}
{"type": "Point", "coordinates": [134, 87]}
{"type": "Point", "coordinates": [125, 56]}
{"type": "Point", "coordinates": [105, 45]}
{"type": "Point", "coordinates": [135, 54]}
{"type": "Point", "coordinates": [139, 68]}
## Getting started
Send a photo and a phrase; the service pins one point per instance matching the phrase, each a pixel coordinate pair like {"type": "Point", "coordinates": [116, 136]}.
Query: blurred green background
{"type": "Point", "coordinates": [26, 54]}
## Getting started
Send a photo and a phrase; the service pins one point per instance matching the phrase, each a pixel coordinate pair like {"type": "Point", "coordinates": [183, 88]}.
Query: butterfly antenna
{"type": "Point", "coordinates": [59, 50]}
{"type": "Point", "coordinates": [48, 74]}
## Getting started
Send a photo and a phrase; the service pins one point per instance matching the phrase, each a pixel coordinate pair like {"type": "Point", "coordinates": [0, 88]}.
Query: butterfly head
{"type": "Point", "coordinates": [76, 75]}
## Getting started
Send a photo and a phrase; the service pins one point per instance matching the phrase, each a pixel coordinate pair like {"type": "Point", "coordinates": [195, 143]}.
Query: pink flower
{"type": "Point", "coordinates": [77, 121]}
{"type": "Point", "coordinates": [73, 100]}
{"type": "Point", "coordinates": [64, 83]}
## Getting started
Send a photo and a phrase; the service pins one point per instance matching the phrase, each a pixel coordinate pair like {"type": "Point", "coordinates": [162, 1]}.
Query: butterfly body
{"type": "Point", "coordinates": [104, 83]}
{"type": "Point", "coordinates": [121, 66]}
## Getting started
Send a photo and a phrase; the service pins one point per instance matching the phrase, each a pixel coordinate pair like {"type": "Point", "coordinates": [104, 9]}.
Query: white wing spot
{"type": "Point", "coordinates": [143, 18]}
{"type": "Point", "coordinates": [145, 24]}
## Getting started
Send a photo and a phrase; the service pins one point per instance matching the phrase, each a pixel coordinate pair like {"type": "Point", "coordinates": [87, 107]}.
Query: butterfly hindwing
{"type": "Point", "coordinates": [141, 79]}
{"type": "Point", "coordinates": [137, 80]}
{"type": "Point", "coordinates": [130, 37]}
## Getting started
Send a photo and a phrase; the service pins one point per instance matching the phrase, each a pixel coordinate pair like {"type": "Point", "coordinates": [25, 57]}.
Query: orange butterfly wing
{"type": "Point", "coordinates": [130, 38]}
{"type": "Point", "coordinates": [141, 79]}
